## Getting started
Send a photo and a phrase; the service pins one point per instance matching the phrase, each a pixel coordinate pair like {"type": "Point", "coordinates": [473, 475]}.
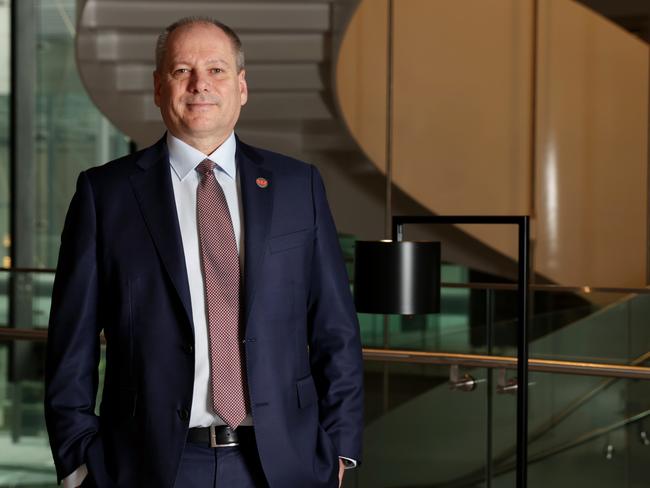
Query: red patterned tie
{"type": "Point", "coordinates": [220, 266]}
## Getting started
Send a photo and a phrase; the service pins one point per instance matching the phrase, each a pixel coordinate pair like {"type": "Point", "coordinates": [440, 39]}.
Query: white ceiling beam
{"type": "Point", "coordinates": [241, 16]}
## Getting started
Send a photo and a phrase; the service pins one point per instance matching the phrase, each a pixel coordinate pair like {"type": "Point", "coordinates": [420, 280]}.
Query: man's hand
{"type": "Point", "coordinates": [341, 471]}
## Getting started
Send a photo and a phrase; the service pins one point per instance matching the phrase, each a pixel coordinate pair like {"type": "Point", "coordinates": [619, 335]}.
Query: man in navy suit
{"type": "Point", "coordinates": [133, 265]}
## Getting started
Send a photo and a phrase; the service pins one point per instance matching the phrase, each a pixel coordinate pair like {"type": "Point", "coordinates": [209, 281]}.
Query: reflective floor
{"type": "Point", "coordinates": [25, 457]}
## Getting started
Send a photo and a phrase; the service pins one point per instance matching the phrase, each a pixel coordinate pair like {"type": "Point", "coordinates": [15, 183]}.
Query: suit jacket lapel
{"type": "Point", "coordinates": [257, 201]}
{"type": "Point", "coordinates": [155, 195]}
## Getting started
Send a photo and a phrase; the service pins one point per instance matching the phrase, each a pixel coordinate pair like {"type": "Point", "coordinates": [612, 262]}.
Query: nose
{"type": "Point", "coordinates": [199, 82]}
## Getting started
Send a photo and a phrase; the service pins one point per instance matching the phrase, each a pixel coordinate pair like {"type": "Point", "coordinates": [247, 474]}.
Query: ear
{"type": "Point", "coordinates": [243, 87]}
{"type": "Point", "coordinates": [157, 87]}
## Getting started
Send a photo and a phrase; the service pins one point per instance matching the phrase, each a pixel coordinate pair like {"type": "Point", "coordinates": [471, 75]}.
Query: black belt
{"type": "Point", "coordinates": [219, 436]}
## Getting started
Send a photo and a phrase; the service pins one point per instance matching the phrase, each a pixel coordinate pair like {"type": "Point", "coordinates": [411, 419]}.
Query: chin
{"type": "Point", "coordinates": [205, 128]}
{"type": "Point", "coordinates": [202, 122]}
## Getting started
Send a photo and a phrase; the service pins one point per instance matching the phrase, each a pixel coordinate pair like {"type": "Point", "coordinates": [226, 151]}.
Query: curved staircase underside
{"type": "Point", "coordinates": [488, 119]}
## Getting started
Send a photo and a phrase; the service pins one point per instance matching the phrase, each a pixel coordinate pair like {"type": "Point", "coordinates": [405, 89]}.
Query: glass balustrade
{"type": "Point", "coordinates": [583, 431]}
{"type": "Point", "coordinates": [421, 431]}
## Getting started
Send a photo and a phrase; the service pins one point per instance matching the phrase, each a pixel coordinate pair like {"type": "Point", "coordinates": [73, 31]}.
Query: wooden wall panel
{"type": "Point", "coordinates": [361, 78]}
{"type": "Point", "coordinates": [462, 108]}
{"type": "Point", "coordinates": [463, 123]}
{"type": "Point", "coordinates": [591, 175]}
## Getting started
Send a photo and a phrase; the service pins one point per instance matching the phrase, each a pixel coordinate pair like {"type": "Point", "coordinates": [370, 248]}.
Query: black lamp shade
{"type": "Point", "coordinates": [397, 277]}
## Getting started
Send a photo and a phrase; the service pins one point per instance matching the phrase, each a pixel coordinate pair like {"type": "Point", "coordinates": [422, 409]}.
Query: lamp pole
{"type": "Point", "coordinates": [523, 278]}
{"type": "Point", "coordinates": [388, 148]}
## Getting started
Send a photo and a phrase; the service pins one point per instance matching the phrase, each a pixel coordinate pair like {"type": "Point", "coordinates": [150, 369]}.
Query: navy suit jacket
{"type": "Point", "coordinates": [122, 270]}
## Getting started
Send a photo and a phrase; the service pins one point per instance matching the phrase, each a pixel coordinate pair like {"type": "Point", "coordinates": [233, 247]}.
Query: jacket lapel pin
{"type": "Point", "coordinates": [262, 182]}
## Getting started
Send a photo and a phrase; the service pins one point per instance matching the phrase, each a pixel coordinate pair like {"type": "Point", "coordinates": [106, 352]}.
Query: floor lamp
{"type": "Point", "coordinates": [403, 277]}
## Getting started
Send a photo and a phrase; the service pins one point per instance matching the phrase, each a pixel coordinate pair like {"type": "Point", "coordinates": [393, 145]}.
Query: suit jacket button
{"type": "Point", "coordinates": [184, 414]}
{"type": "Point", "coordinates": [189, 349]}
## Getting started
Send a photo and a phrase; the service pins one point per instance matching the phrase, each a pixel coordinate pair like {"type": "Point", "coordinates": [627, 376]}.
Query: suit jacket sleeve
{"type": "Point", "coordinates": [334, 343]}
{"type": "Point", "coordinates": [73, 347]}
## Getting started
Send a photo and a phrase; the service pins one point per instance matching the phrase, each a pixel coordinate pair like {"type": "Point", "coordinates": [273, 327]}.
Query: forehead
{"type": "Point", "coordinates": [199, 39]}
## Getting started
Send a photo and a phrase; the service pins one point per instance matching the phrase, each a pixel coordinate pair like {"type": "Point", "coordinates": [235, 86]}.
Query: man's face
{"type": "Point", "coordinates": [198, 88]}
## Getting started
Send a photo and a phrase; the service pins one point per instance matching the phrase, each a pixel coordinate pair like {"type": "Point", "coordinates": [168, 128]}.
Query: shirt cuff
{"type": "Point", "coordinates": [74, 479]}
{"type": "Point", "coordinates": [348, 463]}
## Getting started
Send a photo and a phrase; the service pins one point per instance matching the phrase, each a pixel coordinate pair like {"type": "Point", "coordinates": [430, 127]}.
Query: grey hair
{"type": "Point", "coordinates": [161, 43]}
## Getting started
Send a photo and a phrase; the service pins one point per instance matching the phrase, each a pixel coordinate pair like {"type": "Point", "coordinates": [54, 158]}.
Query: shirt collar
{"type": "Point", "coordinates": [184, 158]}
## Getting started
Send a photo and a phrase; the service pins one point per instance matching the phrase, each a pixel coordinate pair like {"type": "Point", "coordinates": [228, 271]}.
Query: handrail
{"type": "Point", "coordinates": [470, 286]}
{"type": "Point", "coordinates": [508, 362]}
{"type": "Point", "coordinates": [14, 334]}
{"type": "Point", "coordinates": [420, 357]}
{"type": "Point", "coordinates": [558, 288]}
{"type": "Point", "coordinates": [29, 270]}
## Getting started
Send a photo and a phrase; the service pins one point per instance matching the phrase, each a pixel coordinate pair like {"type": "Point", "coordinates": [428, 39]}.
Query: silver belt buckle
{"type": "Point", "coordinates": [213, 439]}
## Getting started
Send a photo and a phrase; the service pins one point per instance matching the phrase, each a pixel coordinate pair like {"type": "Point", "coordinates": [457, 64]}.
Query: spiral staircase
{"type": "Point", "coordinates": [288, 54]}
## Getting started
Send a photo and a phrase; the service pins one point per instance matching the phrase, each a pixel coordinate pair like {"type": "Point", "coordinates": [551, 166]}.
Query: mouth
{"type": "Point", "coordinates": [201, 105]}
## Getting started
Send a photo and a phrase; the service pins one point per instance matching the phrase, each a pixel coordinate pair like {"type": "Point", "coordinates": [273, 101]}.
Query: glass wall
{"type": "Point", "coordinates": [5, 72]}
{"type": "Point", "coordinates": [71, 134]}
{"type": "Point", "coordinates": [5, 82]}
{"type": "Point", "coordinates": [61, 133]}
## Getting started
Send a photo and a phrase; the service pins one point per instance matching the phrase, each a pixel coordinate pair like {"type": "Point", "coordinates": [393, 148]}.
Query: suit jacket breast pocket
{"type": "Point", "coordinates": [291, 240]}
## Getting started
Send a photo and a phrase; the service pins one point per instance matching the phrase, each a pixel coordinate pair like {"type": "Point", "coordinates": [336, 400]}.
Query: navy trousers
{"type": "Point", "coordinates": [223, 467]}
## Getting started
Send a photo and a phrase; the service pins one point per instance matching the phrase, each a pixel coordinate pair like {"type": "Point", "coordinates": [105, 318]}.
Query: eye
{"type": "Point", "coordinates": [216, 71]}
{"type": "Point", "coordinates": [181, 71]}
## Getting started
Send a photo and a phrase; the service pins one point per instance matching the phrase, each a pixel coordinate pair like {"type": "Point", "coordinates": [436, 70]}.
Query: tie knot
{"type": "Point", "coordinates": [205, 167]}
